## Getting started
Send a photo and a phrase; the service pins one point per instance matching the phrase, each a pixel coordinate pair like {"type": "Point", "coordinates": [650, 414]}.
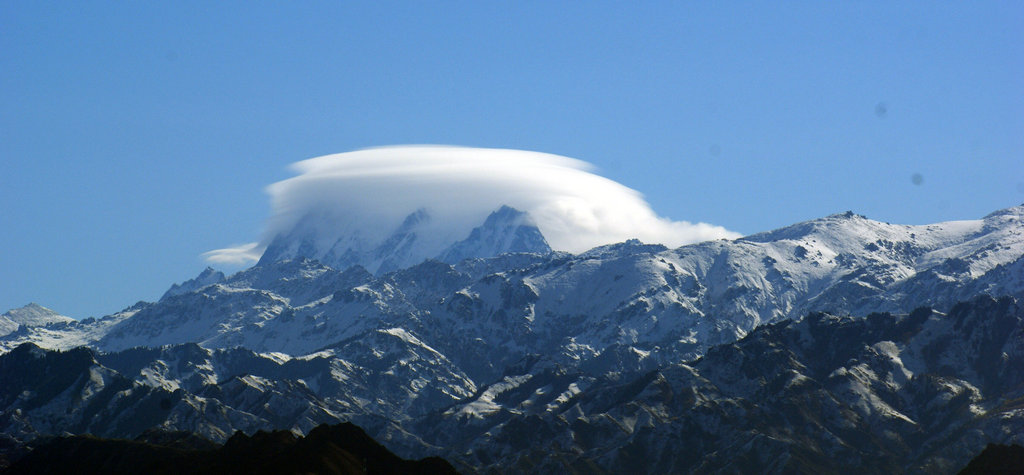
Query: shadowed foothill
{"type": "Point", "coordinates": [337, 449]}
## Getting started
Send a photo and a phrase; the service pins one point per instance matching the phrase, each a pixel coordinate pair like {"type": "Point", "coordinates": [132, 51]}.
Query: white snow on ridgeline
{"type": "Point", "coordinates": [31, 315]}
{"type": "Point", "coordinates": [277, 357]}
{"type": "Point", "coordinates": [639, 295]}
{"type": "Point", "coordinates": [60, 334]}
{"type": "Point", "coordinates": [360, 198]}
{"type": "Point", "coordinates": [484, 404]}
{"type": "Point", "coordinates": [982, 243]}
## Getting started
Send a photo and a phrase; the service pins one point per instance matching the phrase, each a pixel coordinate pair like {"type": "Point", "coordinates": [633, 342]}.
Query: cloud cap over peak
{"type": "Point", "coordinates": [369, 192]}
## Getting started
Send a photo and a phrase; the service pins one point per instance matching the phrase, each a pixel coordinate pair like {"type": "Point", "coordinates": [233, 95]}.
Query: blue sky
{"type": "Point", "coordinates": [136, 136]}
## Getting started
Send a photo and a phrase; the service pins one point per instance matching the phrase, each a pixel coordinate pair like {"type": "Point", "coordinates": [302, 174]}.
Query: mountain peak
{"type": "Point", "coordinates": [35, 315]}
{"type": "Point", "coordinates": [1011, 213]}
{"type": "Point", "coordinates": [34, 307]}
{"type": "Point", "coordinates": [416, 217]}
{"type": "Point", "coordinates": [208, 276]}
{"type": "Point", "coordinates": [846, 215]}
{"type": "Point", "coordinates": [847, 221]}
{"type": "Point", "coordinates": [625, 248]}
{"type": "Point", "coordinates": [506, 230]}
{"type": "Point", "coordinates": [506, 212]}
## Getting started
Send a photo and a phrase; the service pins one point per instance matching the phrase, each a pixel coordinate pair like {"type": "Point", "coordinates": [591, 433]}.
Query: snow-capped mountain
{"type": "Point", "coordinates": [507, 331]}
{"type": "Point", "coordinates": [417, 238]}
{"type": "Point", "coordinates": [506, 230]}
{"type": "Point", "coordinates": [31, 315]}
{"type": "Point", "coordinates": [667, 304]}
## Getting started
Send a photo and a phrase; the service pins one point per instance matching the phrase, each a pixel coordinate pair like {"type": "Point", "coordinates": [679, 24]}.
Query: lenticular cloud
{"type": "Point", "coordinates": [370, 192]}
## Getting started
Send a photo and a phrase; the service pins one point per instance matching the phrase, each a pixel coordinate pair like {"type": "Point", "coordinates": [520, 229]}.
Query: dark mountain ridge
{"type": "Point", "coordinates": [338, 449]}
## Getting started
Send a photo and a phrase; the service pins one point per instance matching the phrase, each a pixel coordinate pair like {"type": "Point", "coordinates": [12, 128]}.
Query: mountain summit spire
{"type": "Point", "coordinates": [505, 230]}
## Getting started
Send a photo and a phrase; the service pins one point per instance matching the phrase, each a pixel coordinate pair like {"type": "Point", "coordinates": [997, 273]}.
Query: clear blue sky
{"type": "Point", "coordinates": [136, 135]}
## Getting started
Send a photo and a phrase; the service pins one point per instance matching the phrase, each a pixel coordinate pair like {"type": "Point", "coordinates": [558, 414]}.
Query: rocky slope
{"type": "Point", "coordinates": [921, 392]}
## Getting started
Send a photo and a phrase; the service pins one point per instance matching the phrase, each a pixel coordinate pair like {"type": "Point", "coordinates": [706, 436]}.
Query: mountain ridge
{"type": "Point", "coordinates": [629, 288]}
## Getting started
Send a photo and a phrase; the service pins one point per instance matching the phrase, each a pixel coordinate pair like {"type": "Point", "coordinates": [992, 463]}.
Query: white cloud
{"type": "Point", "coordinates": [370, 192]}
{"type": "Point", "coordinates": [236, 255]}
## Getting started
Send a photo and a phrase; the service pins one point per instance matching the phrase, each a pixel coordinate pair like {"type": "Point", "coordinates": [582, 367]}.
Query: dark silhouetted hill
{"type": "Point", "coordinates": [337, 449]}
{"type": "Point", "coordinates": [997, 459]}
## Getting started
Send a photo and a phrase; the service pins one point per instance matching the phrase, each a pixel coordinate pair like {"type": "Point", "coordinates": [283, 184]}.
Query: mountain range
{"type": "Point", "coordinates": [829, 345]}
